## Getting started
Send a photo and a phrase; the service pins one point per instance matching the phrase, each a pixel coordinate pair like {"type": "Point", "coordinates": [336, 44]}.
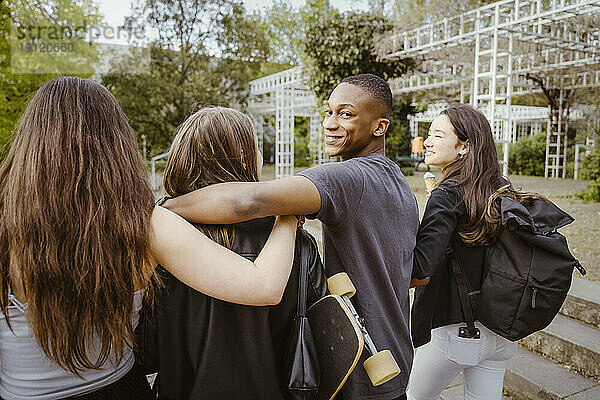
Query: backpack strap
{"type": "Point", "coordinates": [463, 290]}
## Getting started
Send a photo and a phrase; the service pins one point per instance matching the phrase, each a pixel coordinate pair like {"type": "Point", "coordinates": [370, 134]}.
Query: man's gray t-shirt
{"type": "Point", "coordinates": [370, 222]}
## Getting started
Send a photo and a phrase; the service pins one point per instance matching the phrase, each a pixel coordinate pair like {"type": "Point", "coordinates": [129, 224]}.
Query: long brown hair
{"type": "Point", "coordinates": [75, 209]}
{"type": "Point", "coordinates": [477, 175]}
{"type": "Point", "coordinates": [216, 144]}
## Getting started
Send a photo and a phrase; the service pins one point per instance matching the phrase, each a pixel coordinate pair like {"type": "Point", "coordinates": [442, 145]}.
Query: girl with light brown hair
{"type": "Point", "coordinates": [224, 350]}
{"type": "Point", "coordinates": [80, 237]}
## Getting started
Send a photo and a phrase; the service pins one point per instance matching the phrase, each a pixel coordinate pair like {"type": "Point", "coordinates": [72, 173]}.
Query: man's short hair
{"type": "Point", "coordinates": [376, 87]}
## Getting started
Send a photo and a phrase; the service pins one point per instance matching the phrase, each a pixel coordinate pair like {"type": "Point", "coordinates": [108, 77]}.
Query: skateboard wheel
{"type": "Point", "coordinates": [381, 367]}
{"type": "Point", "coordinates": [341, 285]}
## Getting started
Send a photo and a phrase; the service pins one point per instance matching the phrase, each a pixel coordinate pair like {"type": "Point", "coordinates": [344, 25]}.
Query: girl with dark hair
{"type": "Point", "coordinates": [223, 350]}
{"type": "Point", "coordinates": [462, 215]}
{"type": "Point", "coordinates": [80, 238]}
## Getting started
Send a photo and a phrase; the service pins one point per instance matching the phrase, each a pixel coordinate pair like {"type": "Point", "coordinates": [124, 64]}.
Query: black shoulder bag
{"type": "Point", "coordinates": [302, 371]}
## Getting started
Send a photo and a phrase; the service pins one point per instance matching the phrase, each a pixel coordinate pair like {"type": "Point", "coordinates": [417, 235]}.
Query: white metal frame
{"type": "Point", "coordinates": [494, 70]}
{"type": "Point", "coordinates": [496, 61]}
{"type": "Point", "coordinates": [286, 95]}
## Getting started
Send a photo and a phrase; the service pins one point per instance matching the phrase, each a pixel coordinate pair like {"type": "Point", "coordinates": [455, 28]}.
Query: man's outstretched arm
{"type": "Point", "coordinates": [231, 202]}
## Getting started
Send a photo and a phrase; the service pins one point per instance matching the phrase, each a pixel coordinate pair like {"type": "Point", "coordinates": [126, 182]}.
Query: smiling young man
{"type": "Point", "coordinates": [368, 212]}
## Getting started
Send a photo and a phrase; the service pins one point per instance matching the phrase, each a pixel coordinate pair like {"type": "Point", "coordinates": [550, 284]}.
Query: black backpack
{"type": "Point", "coordinates": [527, 272]}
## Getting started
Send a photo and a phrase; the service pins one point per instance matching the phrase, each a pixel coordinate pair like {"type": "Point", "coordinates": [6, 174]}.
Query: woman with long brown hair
{"type": "Point", "coordinates": [80, 237]}
{"type": "Point", "coordinates": [461, 215]}
{"type": "Point", "coordinates": [224, 350]}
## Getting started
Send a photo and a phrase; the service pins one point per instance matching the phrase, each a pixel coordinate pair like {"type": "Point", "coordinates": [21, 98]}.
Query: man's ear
{"type": "Point", "coordinates": [381, 127]}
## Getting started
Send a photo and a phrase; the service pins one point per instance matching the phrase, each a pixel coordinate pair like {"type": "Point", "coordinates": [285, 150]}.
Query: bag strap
{"type": "Point", "coordinates": [303, 276]}
{"type": "Point", "coordinates": [463, 291]}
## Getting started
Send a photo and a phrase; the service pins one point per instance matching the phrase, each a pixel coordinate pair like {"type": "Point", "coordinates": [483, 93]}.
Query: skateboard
{"type": "Point", "coordinates": [340, 336]}
{"type": "Point", "coordinates": [339, 343]}
{"type": "Point", "coordinates": [381, 365]}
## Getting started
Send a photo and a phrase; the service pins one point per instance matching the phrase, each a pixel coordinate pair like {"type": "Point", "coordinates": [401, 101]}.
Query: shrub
{"type": "Point", "coordinates": [528, 155]}
{"type": "Point", "coordinates": [591, 170]}
{"type": "Point", "coordinates": [407, 171]}
{"type": "Point", "coordinates": [591, 193]}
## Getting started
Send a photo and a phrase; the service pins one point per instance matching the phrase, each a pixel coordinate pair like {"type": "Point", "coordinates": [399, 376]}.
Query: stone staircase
{"type": "Point", "coordinates": [563, 360]}
{"type": "Point", "coordinates": [559, 362]}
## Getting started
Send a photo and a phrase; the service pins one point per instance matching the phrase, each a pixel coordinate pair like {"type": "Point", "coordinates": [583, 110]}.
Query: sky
{"type": "Point", "coordinates": [115, 11]}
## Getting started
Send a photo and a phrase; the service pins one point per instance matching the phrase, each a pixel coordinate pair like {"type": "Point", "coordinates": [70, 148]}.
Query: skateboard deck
{"type": "Point", "coordinates": [339, 343]}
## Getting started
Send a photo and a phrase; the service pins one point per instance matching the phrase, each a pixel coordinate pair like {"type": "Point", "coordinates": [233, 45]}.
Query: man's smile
{"type": "Point", "coordinates": [329, 138]}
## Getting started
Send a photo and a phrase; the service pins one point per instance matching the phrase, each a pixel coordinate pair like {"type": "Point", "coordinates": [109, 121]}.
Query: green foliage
{"type": "Point", "coordinates": [407, 171]}
{"type": "Point", "coordinates": [301, 138]}
{"type": "Point", "coordinates": [528, 154]}
{"type": "Point", "coordinates": [206, 53]}
{"type": "Point", "coordinates": [591, 193]}
{"type": "Point", "coordinates": [398, 137]}
{"type": "Point", "coordinates": [17, 87]}
{"type": "Point", "coordinates": [51, 36]}
{"type": "Point", "coordinates": [590, 168]}
{"type": "Point", "coordinates": [339, 45]}
{"type": "Point", "coordinates": [283, 26]}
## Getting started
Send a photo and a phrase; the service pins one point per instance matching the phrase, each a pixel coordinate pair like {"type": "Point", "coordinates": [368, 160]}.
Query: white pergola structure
{"type": "Point", "coordinates": [487, 53]}
{"type": "Point", "coordinates": [286, 95]}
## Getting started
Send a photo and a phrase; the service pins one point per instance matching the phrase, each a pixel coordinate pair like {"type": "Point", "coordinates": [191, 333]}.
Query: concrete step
{"type": "Point", "coordinates": [583, 302]}
{"type": "Point", "coordinates": [455, 390]}
{"type": "Point", "coordinates": [569, 342]}
{"type": "Point", "coordinates": [530, 376]}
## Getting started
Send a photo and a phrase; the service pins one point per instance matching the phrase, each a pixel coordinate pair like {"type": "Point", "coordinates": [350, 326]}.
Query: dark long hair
{"type": "Point", "coordinates": [75, 210]}
{"type": "Point", "coordinates": [214, 145]}
{"type": "Point", "coordinates": [477, 175]}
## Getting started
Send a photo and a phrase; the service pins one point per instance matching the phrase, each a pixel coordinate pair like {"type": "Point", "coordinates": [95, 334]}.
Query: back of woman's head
{"type": "Point", "coordinates": [75, 221]}
{"type": "Point", "coordinates": [216, 144]}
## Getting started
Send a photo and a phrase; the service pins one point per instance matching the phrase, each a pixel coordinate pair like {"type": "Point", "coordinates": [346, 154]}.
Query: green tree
{"type": "Point", "coordinates": [286, 27]}
{"type": "Point", "coordinates": [339, 45]}
{"type": "Point", "coordinates": [398, 136]}
{"type": "Point", "coordinates": [15, 85]}
{"type": "Point", "coordinates": [283, 26]}
{"type": "Point", "coordinates": [591, 170]}
{"type": "Point", "coordinates": [205, 53]}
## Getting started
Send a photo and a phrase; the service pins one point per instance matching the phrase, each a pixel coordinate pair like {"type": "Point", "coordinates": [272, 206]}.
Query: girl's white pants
{"type": "Point", "coordinates": [482, 361]}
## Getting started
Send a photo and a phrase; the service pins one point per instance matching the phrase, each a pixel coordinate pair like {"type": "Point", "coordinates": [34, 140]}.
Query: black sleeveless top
{"type": "Point", "coordinates": [204, 348]}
